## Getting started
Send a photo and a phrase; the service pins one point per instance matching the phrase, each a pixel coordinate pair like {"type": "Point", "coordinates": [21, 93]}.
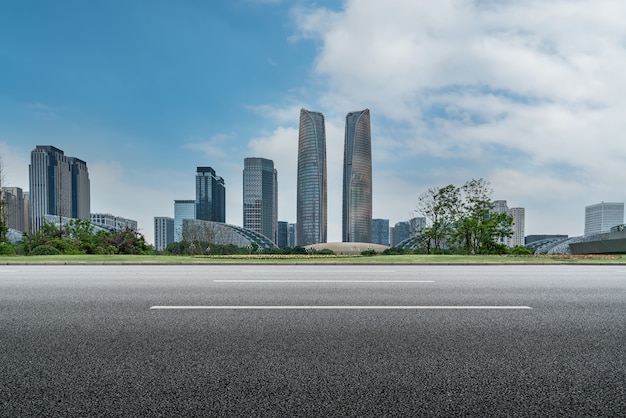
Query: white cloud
{"type": "Point", "coordinates": [531, 90]}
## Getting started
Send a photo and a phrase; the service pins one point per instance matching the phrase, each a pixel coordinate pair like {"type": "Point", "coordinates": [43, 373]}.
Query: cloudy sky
{"type": "Point", "coordinates": [529, 95]}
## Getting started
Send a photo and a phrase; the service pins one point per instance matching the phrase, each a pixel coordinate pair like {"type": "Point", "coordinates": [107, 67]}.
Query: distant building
{"type": "Point", "coordinates": [112, 222]}
{"type": "Point", "coordinates": [163, 232]}
{"type": "Point", "coordinates": [14, 212]}
{"type": "Point", "coordinates": [311, 205]}
{"type": "Point", "coordinates": [183, 209]}
{"type": "Point", "coordinates": [601, 217]}
{"type": "Point", "coordinates": [283, 234]}
{"type": "Point", "coordinates": [518, 226]}
{"type": "Point", "coordinates": [357, 178]}
{"type": "Point", "coordinates": [260, 197]}
{"type": "Point", "coordinates": [529, 239]}
{"type": "Point", "coordinates": [380, 231]}
{"type": "Point", "coordinates": [59, 185]}
{"type": "Point", "coordinates": [401, 232]}
{"type": "Point", "coordinates": [519, 220]}
{"type": "Point", "coordinates": [292, 235]}
{"type": "Point", "coordinates": [210, 195]}
{"type": "Point", "coordinates": [225, 234]}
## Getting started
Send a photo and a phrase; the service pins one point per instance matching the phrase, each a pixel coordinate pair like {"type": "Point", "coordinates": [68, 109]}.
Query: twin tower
{"type": "Point", "coordinates": [311, 226]}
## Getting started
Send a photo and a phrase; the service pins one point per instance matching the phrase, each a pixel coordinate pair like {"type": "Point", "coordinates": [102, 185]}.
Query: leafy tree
{"type": "Point", "coordinates": [463, 219]}
{"type": "Point", "coordinates": [439, 206]}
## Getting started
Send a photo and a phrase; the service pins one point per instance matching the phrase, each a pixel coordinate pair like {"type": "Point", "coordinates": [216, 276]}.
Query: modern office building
{"type": "Point", "coordinates": [210, 195]}
{"type": "Point", "coordinates": [183, 209]}
{"type": "Point", "coordinates": [357, 178]}
{"type": "Point", "coordinates": [518, 226]}
{"type": "Point", "coordinates": [602, 216]}
{"type": "Point", "coordinates": [59, 185]}
{"type": "Point", "coordinates": [292, 235]}
{"type": "Point", "coordinates": [401, 232]}
{"type": "Point", "coordinates": [519, 220]}
{"type": "Point", "coordinates": [112, 222]}
{"type": "Point", "coordinates": [283, 234]}
{"type": "Point", "coordinates": [13, 210]}
{"type": "Point", "coordinates": [163, 232]}
{"type": "Point", "coordinates": [260, 197]}
{"type": "Point", "coordinates": [380, 231]}
{"type": "Point", "coordinates": [311, 205]}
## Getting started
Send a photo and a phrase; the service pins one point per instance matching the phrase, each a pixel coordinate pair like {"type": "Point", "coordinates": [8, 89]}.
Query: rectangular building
{"type": "Point", "coordinates": [163, 232]}
{"type": "Point", "coordinates": [601, 217]}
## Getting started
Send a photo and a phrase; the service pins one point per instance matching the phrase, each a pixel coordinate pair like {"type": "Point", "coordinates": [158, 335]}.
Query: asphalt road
{"type": "Point", "coordinates": [460, 341]}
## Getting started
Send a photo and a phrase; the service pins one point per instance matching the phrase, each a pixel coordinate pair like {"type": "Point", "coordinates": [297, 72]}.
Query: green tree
{"type": "Point", "coordinates": [440, 207]}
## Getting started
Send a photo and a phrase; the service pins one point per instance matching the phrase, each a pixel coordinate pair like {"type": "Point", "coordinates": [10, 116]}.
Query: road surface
{"type": "Point", "coordinates": [253, 340]}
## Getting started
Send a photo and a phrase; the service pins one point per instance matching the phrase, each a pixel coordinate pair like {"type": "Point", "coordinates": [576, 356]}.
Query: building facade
{"type": "Point", "coordinates": [210, 195]}
{"type": "Point", "coordinates": [283, 234]}
{"type": "Point", "coordinates": [13, 211]}
{"type": "Point", "coordinates": [260, 197]}
{"type": "Point", "coordinates": [380, 231]}
{"type": "Point", "coordinates": [311, 205]}
{"type": "Point", "coordinates": [59, 185]}
{"type": "Point", "coordinates": [602, 216]}
{"type": "Point", "coordinates": [163, 232]}
{"type": "Point", "coordinates": [183, 209]}
{"type": "Point", "coordinates": [357, 178]}
{"type": "Point", "coordinates": [401, 232]}
{"type": "Point", "coordinates": [519, 220]}
{"type": "Point", "coordinates": [112, 222]}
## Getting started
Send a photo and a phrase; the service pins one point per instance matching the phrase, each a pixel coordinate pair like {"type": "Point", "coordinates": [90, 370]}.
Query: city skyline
{"type": "Point", "coordinates": [527, 95]}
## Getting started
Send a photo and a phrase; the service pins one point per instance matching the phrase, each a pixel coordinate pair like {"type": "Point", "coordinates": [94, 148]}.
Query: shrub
{"type": "Point", "coordinates": [44, 250]}
{"type": "Point", "coordinates": [369, 253]}
{"type": "Point", "coordinates": [6, 249]}
{"type": "Point", "coordinates": [325, 251]}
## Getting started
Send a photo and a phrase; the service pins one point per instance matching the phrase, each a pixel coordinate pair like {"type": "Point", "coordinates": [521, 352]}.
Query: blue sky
{"type": "Point", "coordinates": [529, 95]}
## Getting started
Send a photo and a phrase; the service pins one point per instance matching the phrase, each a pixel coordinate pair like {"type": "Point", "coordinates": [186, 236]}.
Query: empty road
{"type": "Point", "coordinates": [254, 340]}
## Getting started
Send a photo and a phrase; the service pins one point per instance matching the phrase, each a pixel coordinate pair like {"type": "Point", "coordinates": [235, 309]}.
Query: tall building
{"type": "Point", "coordinates": [13, 210]}
{"type": "Point", "coordinates": [380, 231]}
{"type": "Point", "coordinates": [260, 197]}
{"type": "Point", "coordinates": [357, 178]}
{"type": "Point", "coordinates": [283, 234]}
{"type": "Point", "coordinates": [519, 219]}
{"type": "Point", "coordinates": [401, 231]}
{"type": "Point", "coordinates": [59, 185]}
{"type": "Point", "coordinates": [602, 216]}
{"type": "Point", "coordinates": [518, 226]}
{"type": "Point", "coordinates": [163, 232]}
{"type": "Point", "coordinates": [311, 207]}
{"type": "Point", "coordinates": [210, 195]}
{"type": "Point", "coordinates": [292, 235]}
{"type": "Point", "coordinates": [183, 209]}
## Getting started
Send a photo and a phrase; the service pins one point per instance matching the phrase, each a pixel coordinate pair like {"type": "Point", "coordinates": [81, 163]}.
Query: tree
{"type": "Point", "coordinates": [463, 219]}
{"type": "Point", "coordinates": [439, 206]}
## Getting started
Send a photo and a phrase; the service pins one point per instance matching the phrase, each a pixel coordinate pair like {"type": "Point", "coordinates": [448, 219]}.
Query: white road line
{"type": "Point", "coordinates": [339, 307]}
{"type": "Point", "coordinates": [318, 281]}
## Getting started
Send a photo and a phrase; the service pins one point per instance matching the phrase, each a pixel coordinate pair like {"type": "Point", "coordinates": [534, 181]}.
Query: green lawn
{"type": "Point", "coordinates": [398, 259]}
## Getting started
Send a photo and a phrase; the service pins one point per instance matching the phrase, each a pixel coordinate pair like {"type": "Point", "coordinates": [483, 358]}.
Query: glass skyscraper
{"type": "Point", "coordinates": [59, 185]}
{"type": "Point", "coordinates": [210, 195]}
{"type": "Point", "coordinates": [311, 212]}
{"type": "Point", "coordinates": [357, 178]}
{"type": "Point", "coordinates": [183, 209]}
{"type": "Point", "coordinates": [260, 197]}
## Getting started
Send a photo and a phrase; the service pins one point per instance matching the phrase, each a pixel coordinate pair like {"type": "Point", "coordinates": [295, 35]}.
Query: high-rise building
{"type": "Point", "coordinates": [283, 234]}
{"type": "Point", "coordinates": [357, 178]}
{"type": "Point", "coordinates": [292, 235]}
{"type": "Point", "coordinates": [59, 185]}
{"type": "Point", "coordinates": [260, 197]}
{"type": "Point", "coordinates": [183, 209]}
{"type": "Point", "coordinates": [163, 232]}
{"type": "Point", "coordinates": [210, 195]}
{"type": "Point", "coordinates": [311, 207]}
{"type": "Point", "coordinates": [602, 216]}
{"type": "Point", "coordinates": [380, 231]}
{"type": "Point", "coordinates": [13, 210]}
{"type": "Point", "coordinates": [401, 231]}
{"type": "Point", "coordinates": [519, 219]}
{"type": "Point", "coordinates": [518, 226]}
